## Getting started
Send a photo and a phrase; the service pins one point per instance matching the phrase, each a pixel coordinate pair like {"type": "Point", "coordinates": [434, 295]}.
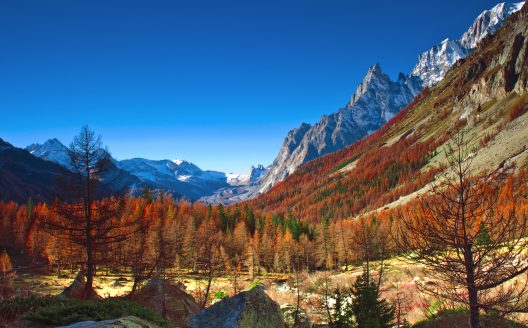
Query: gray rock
{"type": "Point", "coordinates": [126, 322]}
{"type": "Point", "coordinates": [248, 309]}
{"type": "Point", "coordinates": [77, 289]}
{"type": "Point", "coordinates": [178, 304]}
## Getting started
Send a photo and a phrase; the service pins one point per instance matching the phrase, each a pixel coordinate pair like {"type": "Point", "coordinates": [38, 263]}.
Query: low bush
{"type": "Point", "coordinates": [12, 308]}
{"type": "Point", "coordinates": [70, 311]}
{"type": "Point", "coordinates": [47, 310]}
{"type": "Point", "coordinates": [460, 318]}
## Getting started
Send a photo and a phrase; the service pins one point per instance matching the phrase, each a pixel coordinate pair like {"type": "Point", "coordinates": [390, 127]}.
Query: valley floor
{"type": "Point", "coordinates": [400, 286]}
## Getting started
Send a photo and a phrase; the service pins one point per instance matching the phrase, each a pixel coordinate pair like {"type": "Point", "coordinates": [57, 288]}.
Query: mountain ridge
{"type": "Point", "coordinates": [486, 94]}
{"type": "Point", "coordinates": [301, 145]}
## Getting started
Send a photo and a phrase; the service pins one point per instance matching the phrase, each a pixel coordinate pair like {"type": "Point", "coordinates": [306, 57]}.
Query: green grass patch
{"type": "Point", "coordinates": [345, 163]}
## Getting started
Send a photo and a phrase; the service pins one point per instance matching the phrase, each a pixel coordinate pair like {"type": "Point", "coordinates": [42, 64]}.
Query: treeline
{"type": "Point", "coordinates": [190, 236]}
{"type": "Point", "coordinates": [200, 238]}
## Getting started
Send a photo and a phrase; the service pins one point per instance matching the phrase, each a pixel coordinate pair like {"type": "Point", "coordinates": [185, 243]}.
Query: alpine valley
{"type": "Point", "coordinates": [407, 207]}
{"type": "Point", "coordinates": [376, 100]}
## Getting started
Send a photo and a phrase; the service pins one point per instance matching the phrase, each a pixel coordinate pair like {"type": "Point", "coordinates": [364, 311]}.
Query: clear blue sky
{"type": "Point", "coordinates": [219, 83]}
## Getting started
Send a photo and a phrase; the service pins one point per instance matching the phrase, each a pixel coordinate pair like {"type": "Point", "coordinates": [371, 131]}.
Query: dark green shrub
{"type": "Point", "coordinates": [71, 311]}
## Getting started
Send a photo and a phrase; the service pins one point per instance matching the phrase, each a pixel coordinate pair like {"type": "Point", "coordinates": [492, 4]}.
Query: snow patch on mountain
{"type": "Point", "coordinates": [488, 22]}
{"type": "Point", "coordinates": [433, 64]}
{"type": "Point", "coordinates": [51, 150]}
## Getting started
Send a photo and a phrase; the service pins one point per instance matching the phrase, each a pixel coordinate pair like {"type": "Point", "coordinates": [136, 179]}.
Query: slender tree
{"type": "Point", "coordinates": [83, 219]}
{"type": "Point", "coordinates": [470, 233]}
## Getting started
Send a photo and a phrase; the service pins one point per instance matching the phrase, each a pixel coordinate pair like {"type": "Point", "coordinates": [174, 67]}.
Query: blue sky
{"type": "Point", "coordinates": [219, 83]}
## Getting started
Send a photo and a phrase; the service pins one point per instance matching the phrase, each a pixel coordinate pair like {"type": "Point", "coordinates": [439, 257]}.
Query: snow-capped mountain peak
{"type": "Point", "coordinates": [488, 22]}
{"type": "Point", "coordinates": [376, 100]}
{"type": "Point", "coordinates": [52, 150]}
{"type": "Point", "coordinates": [433, 64]}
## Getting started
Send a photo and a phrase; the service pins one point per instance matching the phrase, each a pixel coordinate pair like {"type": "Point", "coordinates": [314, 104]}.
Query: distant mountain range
{"type": "Point", "coordinates": [44, 163]}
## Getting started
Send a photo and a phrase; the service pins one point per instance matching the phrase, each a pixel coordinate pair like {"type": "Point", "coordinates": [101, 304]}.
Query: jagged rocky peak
{"type": "Point", "coordinates": [488, 22]}
{"type": "Point", "coordinates": [52, 150]}
{"type": "Point", "coordinates": [373, 76]}
{"type": "Point", "coordinates": [434, 63]}
{"type": "Point", "coordinates": [255, 173]}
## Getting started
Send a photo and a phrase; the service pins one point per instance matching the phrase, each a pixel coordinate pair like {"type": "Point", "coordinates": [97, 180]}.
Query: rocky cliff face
{"type": "Point", "coordinates": [377, 99]}
{"type": "Point", "coordinates": [487, 23]}
{"type": "Point", "coordinates": [501, 67]}
{"type": "Point", "coordinates": [433, 64]}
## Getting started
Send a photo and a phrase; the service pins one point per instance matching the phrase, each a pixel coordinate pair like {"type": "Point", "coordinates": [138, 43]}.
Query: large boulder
{"type": "Point", "coordinates": [179, 305]}
{"type": "Point", "coordinates": [126, 322]}
{"type": "Point", "coordinates": [249, 309]}
{"type": "Point", "coordinates": [77, 289]}
{"type": "Point", "coordinates": [288, 314]}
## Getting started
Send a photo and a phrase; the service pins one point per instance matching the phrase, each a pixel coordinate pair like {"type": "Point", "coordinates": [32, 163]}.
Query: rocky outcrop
{"type": "Point", "coordinates": [376, 100]}
{"type": "Point", "coordinates": [77, 289]}
{"type": "Point", "coordinates": [167, 299]}
{"type": "Point", "coordinates": [249, 309]}
{"type": "Point", "coordinates": [126, 322]}
{"type": "Point", "coordinates": [499, 68]}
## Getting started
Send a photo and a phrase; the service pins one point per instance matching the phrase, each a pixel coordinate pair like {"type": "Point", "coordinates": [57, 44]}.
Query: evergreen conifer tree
{"type": "Point", "coordinates": [368, 308]}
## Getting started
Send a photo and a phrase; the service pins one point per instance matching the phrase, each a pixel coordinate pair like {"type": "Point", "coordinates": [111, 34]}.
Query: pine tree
{"type": "Point", "coordinates": [368, 308]}
{"type": "Point", "coordinates": [342, 311]}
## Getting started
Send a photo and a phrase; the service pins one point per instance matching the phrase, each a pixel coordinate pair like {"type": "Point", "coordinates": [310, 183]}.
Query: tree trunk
{"type": "Point", "coordinates": [207, 290]}
{"type": "Point", "coordinates": [89, 269]}
{"type": "Point", "coordinates": [474, 315]}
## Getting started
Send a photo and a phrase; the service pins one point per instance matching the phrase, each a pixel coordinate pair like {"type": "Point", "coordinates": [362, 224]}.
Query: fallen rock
{"type": "Point", "coordinates": [248, 309]}
{"type": "Point", "coordinates": [126, 322]}
{"type": "Point", "coordinates": [77, 289]}
{"type": "Point", "coordinates": [288, 314]}
{"type": "Point", "coordinates": [179, 305]}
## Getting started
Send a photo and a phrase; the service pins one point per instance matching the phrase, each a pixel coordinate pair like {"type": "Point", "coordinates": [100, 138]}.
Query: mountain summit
{"type": "Point", "coordinates": [377, 99]}
{"type": "Point", "coordinates": [433, 64]}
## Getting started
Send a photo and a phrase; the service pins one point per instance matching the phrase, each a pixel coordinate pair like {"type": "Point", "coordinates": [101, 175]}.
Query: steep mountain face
{"type": "Point", "coordinates": [486, 94]}
{"type": "Point", "coordinates": [243, 188]}
{"type": "Point", "coordinates": [433, 64]}
{"type": "Point", "coordinates": [23, 175]}
{"type": "Point", "coordinates": [377, 99]}
{"type": "Point", "coordinates": [487, 23]}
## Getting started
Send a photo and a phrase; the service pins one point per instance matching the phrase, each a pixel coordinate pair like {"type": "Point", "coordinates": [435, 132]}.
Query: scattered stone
{"type": "Point", "coordinates": [179, 305]}
{"type": "Point", "coordinates": [248, 309]}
